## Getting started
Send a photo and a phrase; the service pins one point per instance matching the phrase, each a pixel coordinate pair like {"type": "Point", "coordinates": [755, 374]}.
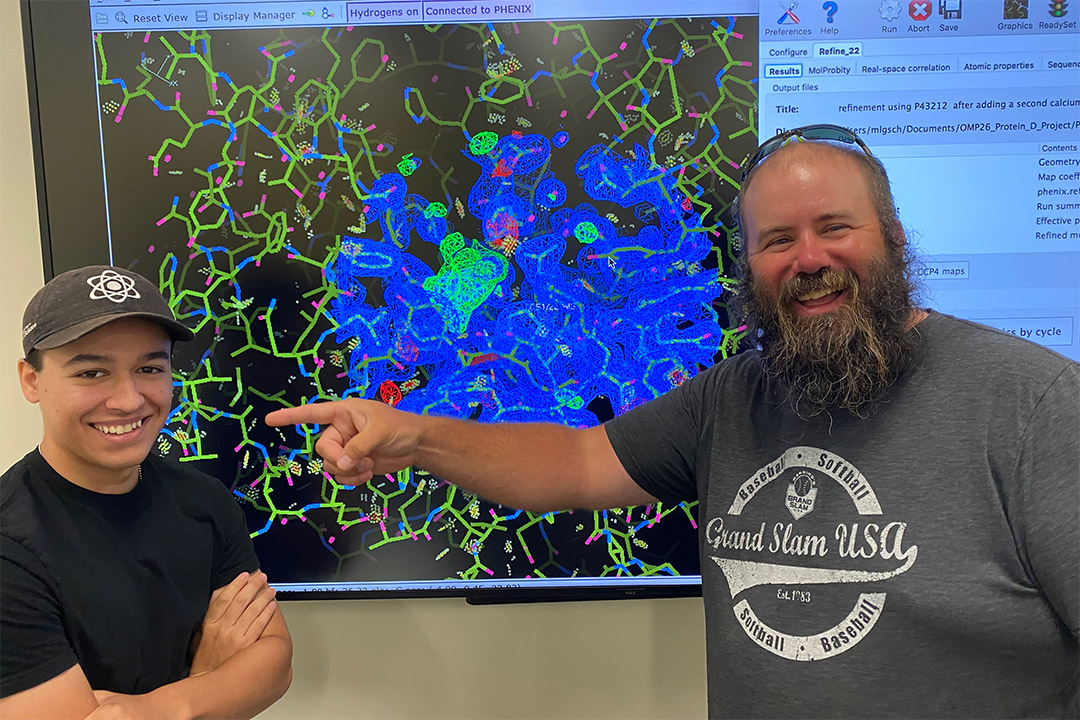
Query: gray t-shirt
{"type": "Point", "coordinates": [921, 562]}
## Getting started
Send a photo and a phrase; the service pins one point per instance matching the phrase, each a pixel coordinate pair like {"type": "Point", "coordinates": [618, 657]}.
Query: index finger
{"type": "Point", "coordinates": [323, 413]}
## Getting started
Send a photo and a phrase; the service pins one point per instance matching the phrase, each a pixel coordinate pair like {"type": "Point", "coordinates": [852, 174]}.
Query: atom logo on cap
{"type": "Point", "coordinates": [111, 285]}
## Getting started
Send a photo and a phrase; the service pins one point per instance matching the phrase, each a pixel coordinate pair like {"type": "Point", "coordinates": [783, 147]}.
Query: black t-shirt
{"type": "Point", "coordinates": [115, 583]}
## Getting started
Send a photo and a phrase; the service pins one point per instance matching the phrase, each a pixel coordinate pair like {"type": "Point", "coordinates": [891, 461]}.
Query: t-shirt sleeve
{"type": "Point", "coordinates": [1049, 473]}
{"type": "Point", "coordinates": [33, 645]}
{"type": "Point", "coordinates": [236, 554]}
{"type": "Point", "coordinates": [659, 442]}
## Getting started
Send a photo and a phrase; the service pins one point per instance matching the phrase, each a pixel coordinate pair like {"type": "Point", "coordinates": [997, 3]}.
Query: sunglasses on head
{"type": "Point", "coordinates": [833, 133]}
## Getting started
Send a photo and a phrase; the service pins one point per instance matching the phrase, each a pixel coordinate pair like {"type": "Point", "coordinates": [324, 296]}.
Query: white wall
{"type": "Point", "coordinates": [394, 658]}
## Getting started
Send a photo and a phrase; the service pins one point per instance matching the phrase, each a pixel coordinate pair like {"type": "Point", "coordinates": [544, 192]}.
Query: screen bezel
{"type": "Point", "coordinates": [63, 110]}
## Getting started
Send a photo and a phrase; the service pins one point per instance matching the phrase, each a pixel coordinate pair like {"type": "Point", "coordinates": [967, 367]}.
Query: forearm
{"type": "Point", "coordinates": [532, 466]}
{"type": "Point", "coordinates": [241, 687]}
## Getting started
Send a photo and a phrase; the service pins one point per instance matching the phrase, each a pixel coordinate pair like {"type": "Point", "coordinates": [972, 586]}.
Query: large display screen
{"type": "Point", "coordinates": [511, 211]}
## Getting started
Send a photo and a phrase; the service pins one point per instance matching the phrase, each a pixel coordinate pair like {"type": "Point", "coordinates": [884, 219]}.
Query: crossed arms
{"type": "Point", "coordinates": [241, 664]}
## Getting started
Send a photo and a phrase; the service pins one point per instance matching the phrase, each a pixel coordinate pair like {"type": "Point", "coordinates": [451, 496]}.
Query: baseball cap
{"type": "Point", "coordinates": [79, 301]}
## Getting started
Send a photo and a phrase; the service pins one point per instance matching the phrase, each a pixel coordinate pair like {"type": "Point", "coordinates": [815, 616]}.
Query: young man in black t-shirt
{"type": "Point", "coordinates": [128, 584]}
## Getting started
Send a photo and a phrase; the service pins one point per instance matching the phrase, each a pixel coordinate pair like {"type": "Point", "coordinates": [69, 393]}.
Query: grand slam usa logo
{"type": "Point", "coordinates": [830, 567]}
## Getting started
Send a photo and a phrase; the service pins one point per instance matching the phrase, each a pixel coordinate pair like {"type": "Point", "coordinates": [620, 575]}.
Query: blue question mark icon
{"type": "Point", "coordinates": [830, 10]}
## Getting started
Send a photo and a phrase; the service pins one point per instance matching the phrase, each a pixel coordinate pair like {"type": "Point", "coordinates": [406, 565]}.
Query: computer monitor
{"type": "Point", "coordinates": [513, 211]}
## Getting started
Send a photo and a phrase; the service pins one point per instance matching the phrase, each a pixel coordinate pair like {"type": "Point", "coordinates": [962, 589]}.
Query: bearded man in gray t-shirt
{"type": "Point", "coordinates": [889, 512]}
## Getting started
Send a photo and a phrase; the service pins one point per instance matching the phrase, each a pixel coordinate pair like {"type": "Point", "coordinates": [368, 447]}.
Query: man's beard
{"type": "Point", "coordinates": [844, 359]}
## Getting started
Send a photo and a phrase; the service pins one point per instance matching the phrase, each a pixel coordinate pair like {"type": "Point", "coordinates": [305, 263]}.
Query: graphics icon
{"type": "Point", "coordinates": [1015, 10]}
